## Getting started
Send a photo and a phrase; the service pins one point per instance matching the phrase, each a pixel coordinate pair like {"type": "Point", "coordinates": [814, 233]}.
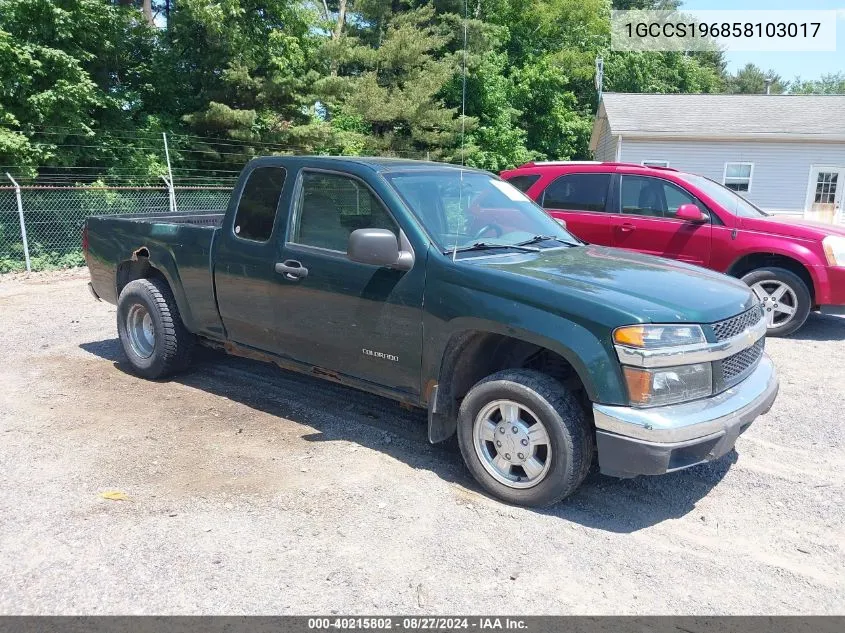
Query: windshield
{"type": "Point", "coordinates": [730, 200]}
{"type": "Point", "coordinates": [461, 208]}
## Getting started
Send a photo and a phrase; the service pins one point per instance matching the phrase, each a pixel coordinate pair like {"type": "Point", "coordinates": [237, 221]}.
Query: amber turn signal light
{"type": "Point", "coordinates": [633, 336]}
{"type": "Point", "coordinates": [639, 385]}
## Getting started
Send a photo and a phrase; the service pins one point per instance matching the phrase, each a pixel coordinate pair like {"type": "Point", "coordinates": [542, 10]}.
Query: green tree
{"type": "Point", "coordinates": [42, 81]}
{"type": "Point", "coordinates": [752, 80]}
{"type": "Point", "coordinates": [828, 84]}
{"type": "Point", "coordinates": [388, 85]}
{"type": "Point", "coordinates": [662, 72]}
{"type": "Point", "coordinates": [238, 69]}
{"type": "Point", "coordinates": [79, 79]}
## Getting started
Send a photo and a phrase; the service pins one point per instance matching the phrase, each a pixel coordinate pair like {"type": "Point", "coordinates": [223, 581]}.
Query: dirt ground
{"type": "Point", "coordinates": [252, 490]}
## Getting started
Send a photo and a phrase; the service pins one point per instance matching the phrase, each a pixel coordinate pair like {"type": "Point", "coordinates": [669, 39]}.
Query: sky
{"type": "Point", "coordinates": [807, 65]}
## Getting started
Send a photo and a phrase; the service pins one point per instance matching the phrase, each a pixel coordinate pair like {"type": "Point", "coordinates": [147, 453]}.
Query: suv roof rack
{"type": "Point", "coordinates": [539, 163]}
{"type": "Point", "coordinates": [551, 163]}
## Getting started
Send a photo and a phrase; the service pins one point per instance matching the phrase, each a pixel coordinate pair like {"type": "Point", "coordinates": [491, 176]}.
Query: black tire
{"type": "Point", "coordinates": [171, 350]}
{"type": "Point", "coordinates": [796, 285]}
{"type": "Point", "coordinates": [570, 435]}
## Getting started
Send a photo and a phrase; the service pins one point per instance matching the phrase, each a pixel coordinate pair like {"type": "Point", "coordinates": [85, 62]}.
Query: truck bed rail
{"type": "Point", "coordinates": [202, 218]}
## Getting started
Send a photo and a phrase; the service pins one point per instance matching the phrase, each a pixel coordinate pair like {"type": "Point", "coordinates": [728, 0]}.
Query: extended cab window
{"type": "Point", "coordinates": [331, 206]}
{"type": "Point", "coordinates": [652, 197]}
{"type": "Point", "coordinates": [259, 202]}
{"type": "Point", "coordinates": [523, 183]}
{"type": "Point", "coordinates": [578, 192]}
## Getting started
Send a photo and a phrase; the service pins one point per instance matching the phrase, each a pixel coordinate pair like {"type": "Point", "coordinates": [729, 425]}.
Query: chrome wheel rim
{"type": "Point", "coordinates": [140, 331]}
{"type": "Point", "coordinates": [512, 444]}
{"type": "Point", "coordinates": [780, 303]}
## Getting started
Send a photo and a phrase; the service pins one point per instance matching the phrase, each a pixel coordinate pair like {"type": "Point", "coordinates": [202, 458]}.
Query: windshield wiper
{"type": "Point", "coordinates": [483, 246]}
{"type": "Point", "coordinates": [543, 238]}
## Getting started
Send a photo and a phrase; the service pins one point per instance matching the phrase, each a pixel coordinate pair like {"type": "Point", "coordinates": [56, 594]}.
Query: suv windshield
{"type": "Point", "coordinates": [461, 208]}
{"type": "Point", "coordinates": [730, 200]}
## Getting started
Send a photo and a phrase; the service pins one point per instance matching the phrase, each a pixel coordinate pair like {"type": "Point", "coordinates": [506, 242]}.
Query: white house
{"type": "Point", "coordinates": [785, 153]}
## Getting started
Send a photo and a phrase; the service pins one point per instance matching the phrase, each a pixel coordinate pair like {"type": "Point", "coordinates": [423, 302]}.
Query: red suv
{"type": "Point", "coordinates": [793, 265]}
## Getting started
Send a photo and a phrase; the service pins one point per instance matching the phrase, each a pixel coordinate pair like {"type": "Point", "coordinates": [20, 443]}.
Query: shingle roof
{"type": "Point", "coordinates": [719, 115]}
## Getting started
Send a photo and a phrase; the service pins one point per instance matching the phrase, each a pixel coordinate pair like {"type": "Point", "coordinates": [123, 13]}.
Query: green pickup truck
{"type": "Point", "coordinates": [446, 288]}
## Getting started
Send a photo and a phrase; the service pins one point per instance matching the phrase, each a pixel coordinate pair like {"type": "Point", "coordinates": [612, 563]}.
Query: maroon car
{"type": "Point", "coordinates": [793, 265]}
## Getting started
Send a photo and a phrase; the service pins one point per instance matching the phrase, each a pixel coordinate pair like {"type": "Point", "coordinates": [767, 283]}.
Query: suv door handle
{"type": "Point", "coordinates": [627, 227]}
{"type": "Point", "coordinates": [291, 269]}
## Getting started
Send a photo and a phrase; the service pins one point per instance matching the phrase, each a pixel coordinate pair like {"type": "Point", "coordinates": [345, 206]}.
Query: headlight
{"type": "Point", "coordinates": [834, 250]}
{"type": "Point", "coordinates": [649, 336]}
{"type": "Point", "coordinates": [668, 385]}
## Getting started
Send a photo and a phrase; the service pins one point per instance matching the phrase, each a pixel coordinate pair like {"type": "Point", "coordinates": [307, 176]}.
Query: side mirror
{"type": "Point", "coordinates": [378, 247]}
{"type": "Point", "coordinates": [690, 213]}
{"type": "Point", "coordinates": [561, 221]}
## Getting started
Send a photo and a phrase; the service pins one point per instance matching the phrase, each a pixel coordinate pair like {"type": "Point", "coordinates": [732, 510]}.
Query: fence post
{"type": "Point", "coordinates": [169, 179]}
{"type": "Point", "coordinates": [23, 224]}
{"type": "Point", "coordinates": [171, 193]}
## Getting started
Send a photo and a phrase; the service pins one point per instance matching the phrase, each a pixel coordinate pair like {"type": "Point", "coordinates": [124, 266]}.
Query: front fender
{"type": "Point", "coordinates": [445, 340]}
{"type": "Point", "coordinates": [596, 368]}
{"type": "Point", "coordinates": [802, 252]}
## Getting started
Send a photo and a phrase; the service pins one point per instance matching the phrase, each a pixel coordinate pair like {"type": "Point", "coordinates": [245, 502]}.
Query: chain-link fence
{"type": "Point", "coordinates": [53, 217]}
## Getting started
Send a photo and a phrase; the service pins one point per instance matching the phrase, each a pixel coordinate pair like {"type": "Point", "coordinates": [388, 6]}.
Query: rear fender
{"type": "Point", "coordinates": [162, 260]}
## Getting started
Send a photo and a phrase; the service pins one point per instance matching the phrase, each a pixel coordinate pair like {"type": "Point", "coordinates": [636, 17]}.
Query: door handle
{"type": "Point", "coordinates": [291, 269]}
{"type": "Point", "coordinates": [627, 227]}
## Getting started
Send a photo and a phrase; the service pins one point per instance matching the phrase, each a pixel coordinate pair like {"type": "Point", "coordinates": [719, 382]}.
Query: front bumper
{"type": "Point", "coordinates": [654, 441]}
{"type": "Point", "coordinates": [829, 285]}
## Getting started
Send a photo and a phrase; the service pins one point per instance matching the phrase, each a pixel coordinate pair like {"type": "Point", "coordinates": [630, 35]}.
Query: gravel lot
{"type": "Point", "coordinates": [252, 490]}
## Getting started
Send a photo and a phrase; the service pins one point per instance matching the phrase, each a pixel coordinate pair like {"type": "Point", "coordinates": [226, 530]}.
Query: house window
{"type": "Point", "coordinates": [655, 163]}
{"type": "Point", "coordinates": [826, 187]}
{"type": "Point", "coordinates": [738, 176]}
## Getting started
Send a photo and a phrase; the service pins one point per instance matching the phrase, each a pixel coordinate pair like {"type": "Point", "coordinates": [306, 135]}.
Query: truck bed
{"type": "Point", "coordinates": [177, 244]}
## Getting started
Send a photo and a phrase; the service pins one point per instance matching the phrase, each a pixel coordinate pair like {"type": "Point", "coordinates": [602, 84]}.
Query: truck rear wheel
{"type": "Point", "coordinates": [785, 298]}
{"type": "Point", "coordinates": [524, 437]}
{"type": "Point", "coordinates": [151, 331]}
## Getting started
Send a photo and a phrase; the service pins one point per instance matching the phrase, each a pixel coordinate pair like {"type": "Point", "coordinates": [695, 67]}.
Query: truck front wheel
{"type": "Point", "coordinates": [524, 437]}
{"type": "Point", "coordinates": [151, 331]}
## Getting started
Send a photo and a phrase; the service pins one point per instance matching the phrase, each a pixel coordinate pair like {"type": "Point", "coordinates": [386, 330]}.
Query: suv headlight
{"type": "Point", "coordinates": [668, 385]}
{"type": "Point", "coordinates": [834, 250]}
{"type": "Point", "coordinates": [649, 336]}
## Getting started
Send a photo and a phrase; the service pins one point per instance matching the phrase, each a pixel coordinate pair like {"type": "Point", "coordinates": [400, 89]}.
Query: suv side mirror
{"type": "Point", "coordinates": [690, 213]}
{"type": "Point", "coordinates": [378, 247]}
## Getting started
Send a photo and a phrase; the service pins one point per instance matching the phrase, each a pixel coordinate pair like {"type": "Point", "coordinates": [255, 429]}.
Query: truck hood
{"type": "Point", "coordinates": [644, 288]}
{"type": "Point", "coordinates": [792, 227]}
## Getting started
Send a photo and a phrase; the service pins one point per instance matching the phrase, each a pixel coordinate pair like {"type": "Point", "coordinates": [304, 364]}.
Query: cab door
{"type": "Point", "coordinates": [646, 222]}
{"type": "Point", "coordinates": [250, 294]}
{"type": "Point", "coordinates": [582, 201]}
{"type": "Point", "coordinates": [356, 319]}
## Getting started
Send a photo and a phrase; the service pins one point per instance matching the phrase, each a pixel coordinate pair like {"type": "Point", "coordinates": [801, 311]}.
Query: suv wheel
{"type": "Point", "coordinates": [524, 437]}
{"type": "Point", "coordinates": [785, 298]}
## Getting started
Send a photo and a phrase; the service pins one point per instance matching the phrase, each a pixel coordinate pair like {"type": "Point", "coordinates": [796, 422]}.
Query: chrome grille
{"type": "Point", "coordinates": [736, 325]}
{"type": "Point", "coordinates": [735, 368]}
